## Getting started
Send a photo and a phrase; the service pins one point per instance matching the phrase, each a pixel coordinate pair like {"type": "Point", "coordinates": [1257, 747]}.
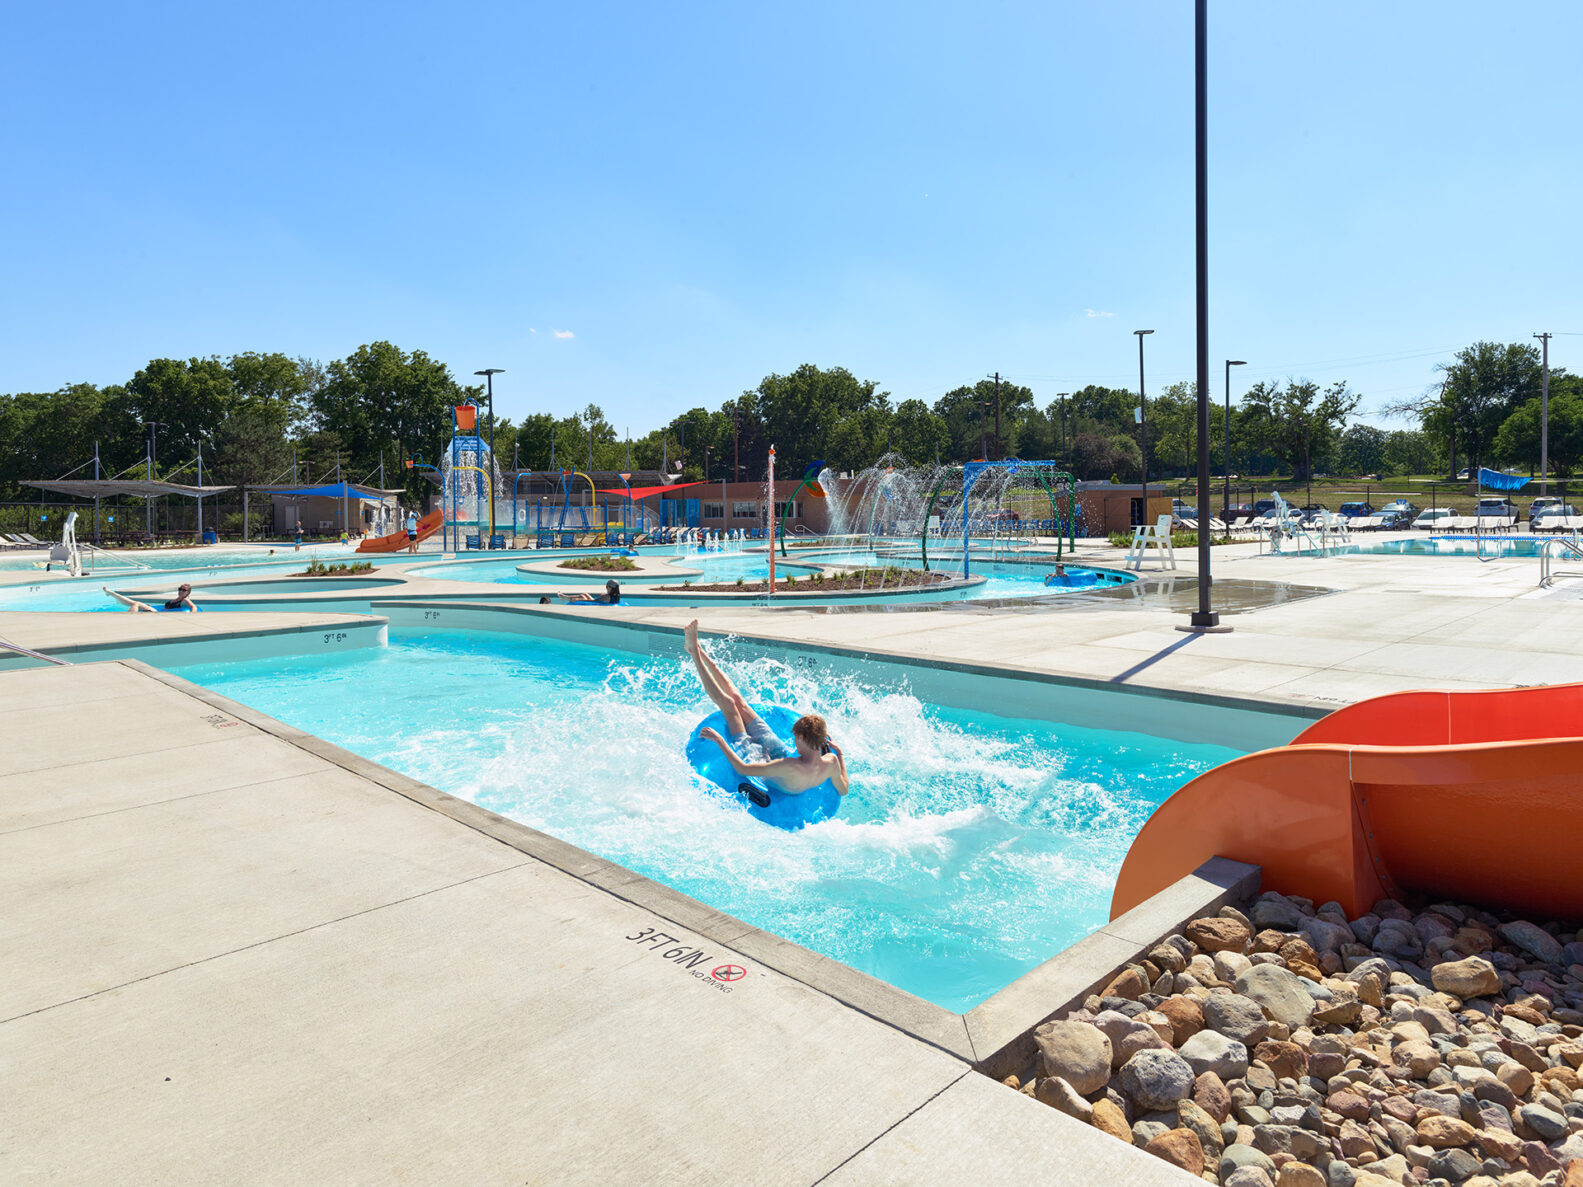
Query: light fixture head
{"type": "Point", "coordinates": [1141, 333]}
{"type": "Point", "coordinates": [1236, 362]}
{"type": "Point", "coordinates": [490, 371]}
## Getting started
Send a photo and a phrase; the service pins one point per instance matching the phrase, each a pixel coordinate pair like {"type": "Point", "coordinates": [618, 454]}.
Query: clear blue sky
{"type": "Point", "coordinates": [652, 206]}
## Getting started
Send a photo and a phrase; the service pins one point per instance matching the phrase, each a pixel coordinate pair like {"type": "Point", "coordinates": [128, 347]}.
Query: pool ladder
{"type": "Point", "coordinates": [1567, 545]}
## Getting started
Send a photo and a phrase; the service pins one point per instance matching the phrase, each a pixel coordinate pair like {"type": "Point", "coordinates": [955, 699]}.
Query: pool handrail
{"type": "Point", "coordinates": [7, 645]}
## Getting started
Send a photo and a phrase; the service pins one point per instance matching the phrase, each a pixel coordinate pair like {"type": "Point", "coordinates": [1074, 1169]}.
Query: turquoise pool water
{"type": "Point", "coordinates": [1488, 546]}
{"type": "Point", "coordinates": [973, 847]}
{"type": "Point", "coordinates": [1005, 579]}
{"type": "Point", "coordinates": [51, 593]}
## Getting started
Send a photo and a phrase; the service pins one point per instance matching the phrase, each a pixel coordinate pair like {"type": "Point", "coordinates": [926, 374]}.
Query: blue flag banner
{"type": "Point", "coordinates": [1495, 480]}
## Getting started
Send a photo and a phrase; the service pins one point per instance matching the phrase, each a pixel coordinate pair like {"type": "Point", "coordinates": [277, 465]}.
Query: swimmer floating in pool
{"type": "Point", "coordinates": [611, 596]}
{"type": "Point", "coordinates": [182, 601]}
{"type": "Point", "coordinates": [792, 769]}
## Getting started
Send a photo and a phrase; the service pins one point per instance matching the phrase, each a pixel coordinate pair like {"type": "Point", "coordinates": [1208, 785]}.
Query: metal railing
{"type": "Point", "coordinates": [6, 645]}
{"type": "Point", "coordinates": [1563, 544]}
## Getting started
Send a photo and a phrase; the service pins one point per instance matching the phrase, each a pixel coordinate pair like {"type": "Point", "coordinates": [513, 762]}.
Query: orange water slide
{"type": "Point", "coordinates": [397, 540]}
{"type": "Point", "coordinates": [1474, 796]}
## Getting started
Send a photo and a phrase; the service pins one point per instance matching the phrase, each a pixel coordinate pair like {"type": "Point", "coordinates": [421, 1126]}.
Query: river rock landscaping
{"type": "Point", "coordinates": [1290, 1046]}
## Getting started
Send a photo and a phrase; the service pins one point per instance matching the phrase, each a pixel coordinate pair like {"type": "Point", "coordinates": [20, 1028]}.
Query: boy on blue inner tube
{"type": "Point", "coordinates": [792, 769]}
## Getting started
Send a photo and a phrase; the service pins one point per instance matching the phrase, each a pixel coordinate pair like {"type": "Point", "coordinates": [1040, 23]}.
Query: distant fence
{"type": "Point", "coordinates": [117, 521]}
{"type": "Point", "coordinates": [1330, 493]}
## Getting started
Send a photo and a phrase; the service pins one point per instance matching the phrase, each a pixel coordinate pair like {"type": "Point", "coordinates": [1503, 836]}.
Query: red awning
{"type": "Point", "coordinates": [648, 492]}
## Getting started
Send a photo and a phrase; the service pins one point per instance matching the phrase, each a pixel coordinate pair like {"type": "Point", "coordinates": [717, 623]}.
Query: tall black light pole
{"type": "Point", "coordinates": [152, 425]}
{"type": "Point", "coordinates": [489, 374]}
{"type": "Point", "coordinates": [1061, 397]}
{"type": "Point", "coordinates": [1000, 450]}
{"type": "Point", "coordinates": [1544, 418]}
{"type": "Point", "coordinates": [1143, 426]}
{"type": "Point", "coordinates": [1225, 498]}
{"type": "Point", "coordinates": [1205, 619]}
{"type": "Point", "coordinates": [983, 449]}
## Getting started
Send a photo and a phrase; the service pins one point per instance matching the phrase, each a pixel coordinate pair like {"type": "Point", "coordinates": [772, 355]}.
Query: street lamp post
{"type": "Point", "coordinates": [489, 374]}
{"type": "Point", "coordinates": [1225, 497]}
{"type": "Point", "coordinates": [983, 449]}
{"type": "Point", "coordinates": [1544, 418]}
{"type": "Point", "coordinates": [152, 425]}
{"type": "Point", "coordinates": [1204, 619]}
{"type": "Point", "coordinates": [1143, 430]}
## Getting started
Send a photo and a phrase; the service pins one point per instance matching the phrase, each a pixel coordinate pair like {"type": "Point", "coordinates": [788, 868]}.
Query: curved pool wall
{"type": "Point", "coordinates": [991, 810]}
{"type": "Point", "coordinates": [221, 588]}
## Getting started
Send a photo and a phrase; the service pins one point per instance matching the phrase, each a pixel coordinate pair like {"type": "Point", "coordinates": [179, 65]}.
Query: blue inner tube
{"type": "Point", "coordinates": [1072, 580]}
{"type": "Point", "coordinates": [790, 812]}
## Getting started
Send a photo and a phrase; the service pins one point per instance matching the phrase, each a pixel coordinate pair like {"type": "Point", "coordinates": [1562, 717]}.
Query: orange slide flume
{"type": "Point", "coordinates": [397, 540]}
{"type": "Point", "coordinates": [1471, 796]}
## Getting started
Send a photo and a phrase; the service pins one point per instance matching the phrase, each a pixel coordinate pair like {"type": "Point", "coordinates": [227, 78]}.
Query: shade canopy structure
{"type": "Point", "coordinates": [1495, 480]}
{"type": "Point", "coordinates": [337, 490]}
{"type": "Point", "coordinates": [110, 488]}
{"type": "Point", "coordinates": [648, 492]}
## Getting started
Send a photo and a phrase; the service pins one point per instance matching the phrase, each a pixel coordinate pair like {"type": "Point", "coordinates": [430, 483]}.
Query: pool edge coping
{"type": "Point", "coordinates": [995, 1037]}
{"type": "Point", "coordinates": [1274, 704]}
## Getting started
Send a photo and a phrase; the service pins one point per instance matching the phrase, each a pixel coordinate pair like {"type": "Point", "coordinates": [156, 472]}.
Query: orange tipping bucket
{"type": "Point", "coordinates": [466, 418]}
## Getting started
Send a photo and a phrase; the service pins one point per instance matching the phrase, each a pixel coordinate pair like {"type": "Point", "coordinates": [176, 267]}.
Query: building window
{"type": "Point", "coordinates": [714, 510]}
{"type": "Point", "coordinates": [744, 510]}
{"type": "Point", "coordinates": [796, 510]}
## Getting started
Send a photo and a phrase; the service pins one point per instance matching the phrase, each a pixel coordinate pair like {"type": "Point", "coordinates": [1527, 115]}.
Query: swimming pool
{"type": "Point", "coordinates": [1003, 578]}
{"type": "Point", "coordinates": [1486, 546]}
{"type": "Point", "coordinates": [975, 845]}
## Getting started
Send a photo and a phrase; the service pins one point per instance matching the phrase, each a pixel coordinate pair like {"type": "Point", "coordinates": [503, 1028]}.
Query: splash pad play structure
{"type": "Point", "coordinates": [469, 485]}
{"type": "Point", "coordinates": [942, 518]}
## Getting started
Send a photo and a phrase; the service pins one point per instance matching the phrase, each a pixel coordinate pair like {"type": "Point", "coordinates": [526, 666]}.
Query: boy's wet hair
{"type": "Point", "coordinates": [812, 729]}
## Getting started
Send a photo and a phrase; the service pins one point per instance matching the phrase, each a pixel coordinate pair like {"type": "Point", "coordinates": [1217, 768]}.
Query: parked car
{"type": "Point", "coordinates": [1355, 511]}
{"type": "Point", "coordinates": [1495, 508]}
{"type": "Point", "coordinates": [1388, 521]}
{"type": "Point", "coordinates": [1312, 514]}
{"type": "Point", "coordinates": [1264, 507]}
{"type": "Point", "coordinates": [1551, 517]}
{"type": "Point", "coordinates": [1435, 517]}
{"type": "Point", "coordinates": [1542, 504]}
{"type": "Point", "coordinates": [1408, 511]}
{"type": "Point", "coordinates": [1239, 511]}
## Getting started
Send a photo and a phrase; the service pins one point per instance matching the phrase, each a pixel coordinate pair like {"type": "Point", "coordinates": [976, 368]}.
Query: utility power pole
{"type": "Point", "coordinates": [1544, 418]}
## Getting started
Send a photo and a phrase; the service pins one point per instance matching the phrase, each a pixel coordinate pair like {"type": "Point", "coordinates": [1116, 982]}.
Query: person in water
{"type": "Point", "coordinates": [182, 601]}
{"type": "Point", "coordinates": [611, 596]}
{"type": "Point", "coordinates": [792, 769]}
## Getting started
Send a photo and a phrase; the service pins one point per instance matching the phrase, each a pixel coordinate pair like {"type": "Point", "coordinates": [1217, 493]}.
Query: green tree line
{"type": "Point", "coordinates": [257, 415]}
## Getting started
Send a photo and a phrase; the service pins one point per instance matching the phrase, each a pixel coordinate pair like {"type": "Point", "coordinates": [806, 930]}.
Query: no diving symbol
{"type": "Point", "coordinates": [729, 972]}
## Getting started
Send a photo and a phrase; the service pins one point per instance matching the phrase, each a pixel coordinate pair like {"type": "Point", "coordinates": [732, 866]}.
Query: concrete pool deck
{"type": "Point", "coordinates": [343, 984]}
{"type": "Point", "coordinates": [235, 956]}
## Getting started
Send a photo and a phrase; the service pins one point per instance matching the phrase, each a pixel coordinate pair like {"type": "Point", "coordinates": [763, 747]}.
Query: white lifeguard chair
{"type": "Point", "coordinates": [1155, 535]}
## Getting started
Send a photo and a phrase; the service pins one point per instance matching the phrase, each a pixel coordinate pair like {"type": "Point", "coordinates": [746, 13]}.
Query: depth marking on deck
{"type": "Point", "coordinates": [690, 957]}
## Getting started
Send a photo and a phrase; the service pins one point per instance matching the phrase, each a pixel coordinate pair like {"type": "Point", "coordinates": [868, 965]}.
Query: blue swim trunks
{"type": "Point", "coordinates": [756, 733]}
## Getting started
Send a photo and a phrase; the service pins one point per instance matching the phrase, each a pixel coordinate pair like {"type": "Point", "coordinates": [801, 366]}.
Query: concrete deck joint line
{"type": "Point", "coordinates": [923, 1104]}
